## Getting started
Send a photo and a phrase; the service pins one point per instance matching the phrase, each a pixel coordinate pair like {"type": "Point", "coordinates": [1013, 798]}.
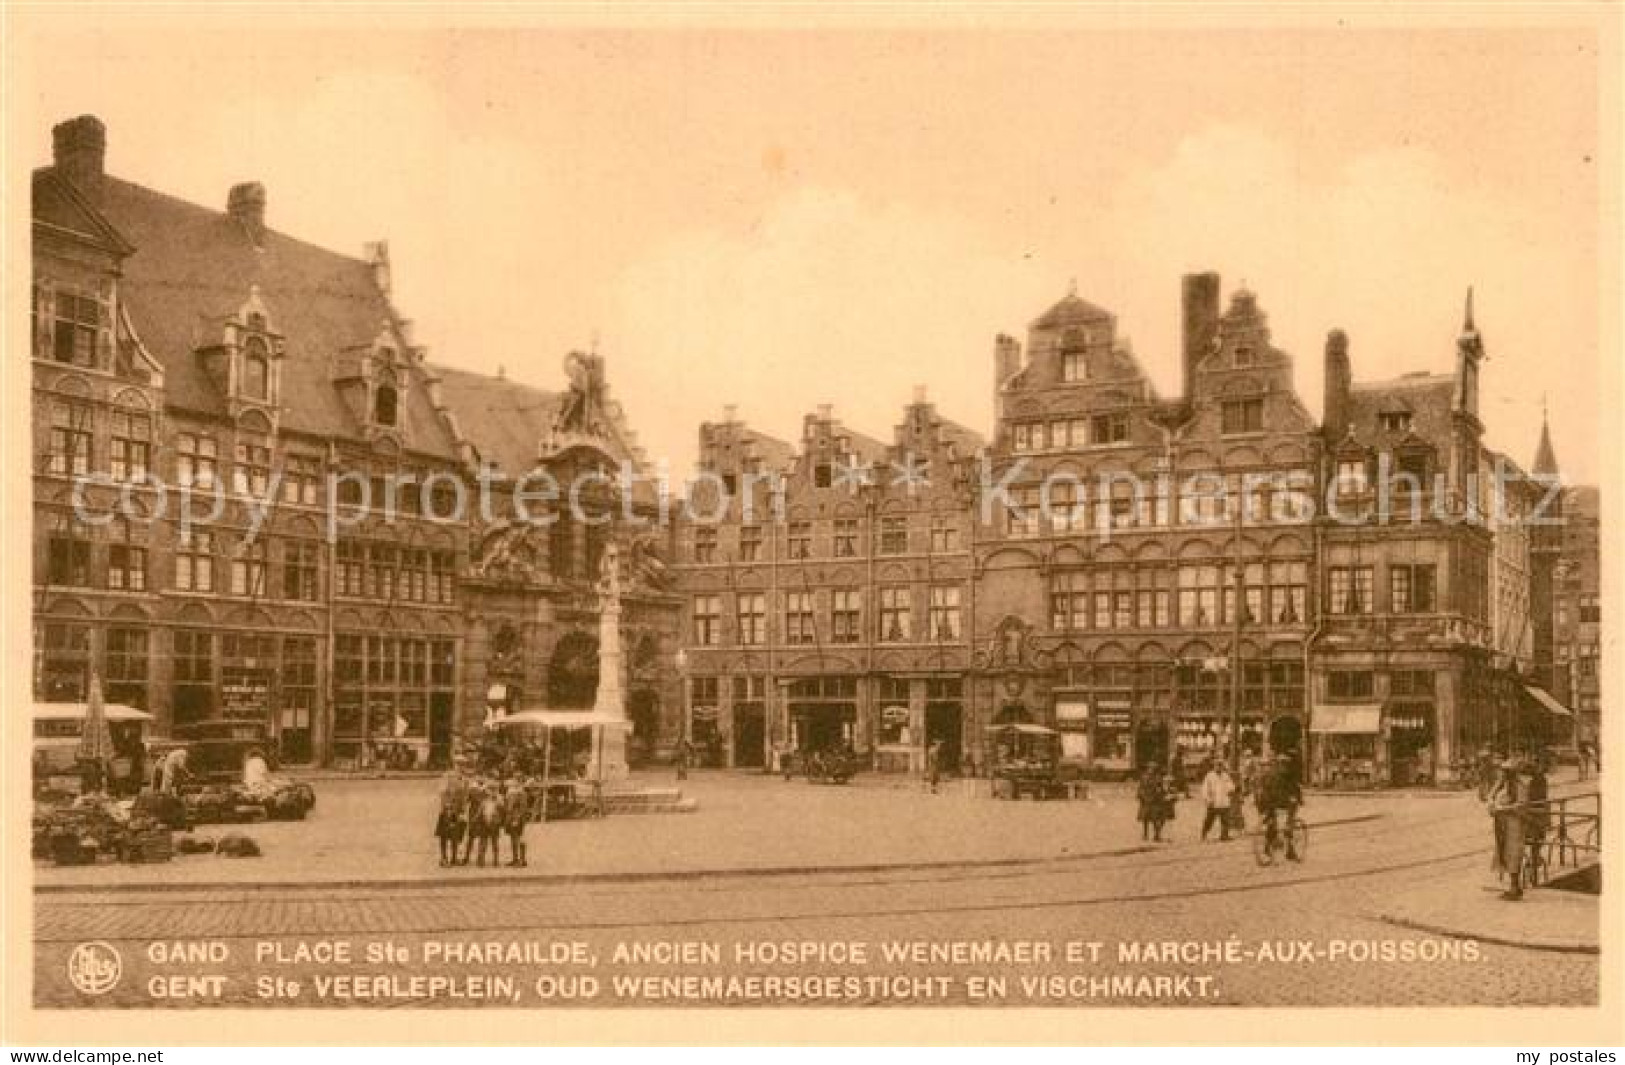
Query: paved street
{"type": "Point", "coordinates": [1053, 874]}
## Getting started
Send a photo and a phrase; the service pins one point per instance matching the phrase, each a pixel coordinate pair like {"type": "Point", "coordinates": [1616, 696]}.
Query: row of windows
{"type": "Point", "coordinates": [1094, 431]}
{"type": "Point", "coordinates": [1355, 684]}
{"type": "Point", "coordinates": [389, 572]}
{"type": "Point", "coordinates": [392, 661]}
{"type": "Point", "coordinates": [1067, 506]}
{"type": "Point", "coordinates": [891, 537]}
{"type": "Point", "coordinates": [70, 449]}
{"type": "Point", "coordinates": [1195, 596]}
{"type": "Point", "coordinates": [706, 691]}
{"type": "Point", "coordinates": [376, 571]}
{"type": "Point", "coordinates": [1412, 589]}
{"type": "Point", "coordinates": [842, 618]}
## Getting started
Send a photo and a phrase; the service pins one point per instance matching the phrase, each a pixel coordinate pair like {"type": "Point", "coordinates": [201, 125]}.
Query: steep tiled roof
{"type": "Point", "coordinates": [1427, 397]}
{"type": "Point", "coordinates": [967, 442]}
{"type": "Point", "coordinates": [774, 454]}
{"type": "Point", "coordinates": [505, 420]}
{"type": "Point", "coordinates": [193, 266]}
{"type": "Point", "coordinates": [1068, 310]}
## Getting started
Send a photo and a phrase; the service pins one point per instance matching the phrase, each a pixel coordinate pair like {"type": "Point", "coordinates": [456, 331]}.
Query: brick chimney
{"type": "Point", "coordinates": [1006, 359]}
{"type": "Point", "coordinates": [246, 203]}
{"type": "Point", "coordinates": [1334, 418]}
{"type": "Point", "coordinates": [1199, 306]}
{"type": "Point", "coordinates": [79, 152]}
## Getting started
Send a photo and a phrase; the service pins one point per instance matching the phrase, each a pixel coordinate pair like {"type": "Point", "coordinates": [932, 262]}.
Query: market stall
{"type": "Point", "coordinates": [1027, 761]}
{"type": "Point", "coordinates": [569, 746]}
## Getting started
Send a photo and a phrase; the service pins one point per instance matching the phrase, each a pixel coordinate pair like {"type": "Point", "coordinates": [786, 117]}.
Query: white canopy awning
{"type": "Point", "coordinates": [1544, 698]}
{"type": "Point", "coordinates": [560, 719]}
{"type": "Point", "coordinates": [1023, 728]}
{"type": "Point", "coordinates": [1358, 719]}
{"type": "Point", "coordinates": [76, 712]}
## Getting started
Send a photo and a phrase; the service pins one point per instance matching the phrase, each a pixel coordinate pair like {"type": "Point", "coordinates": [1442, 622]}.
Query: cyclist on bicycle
{"type": "Point", "coordinates": [1280, 791]}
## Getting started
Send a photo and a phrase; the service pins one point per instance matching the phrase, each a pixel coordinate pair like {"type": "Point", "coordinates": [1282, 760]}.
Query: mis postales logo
{"type": "Point", "coordinates": [94, 968]}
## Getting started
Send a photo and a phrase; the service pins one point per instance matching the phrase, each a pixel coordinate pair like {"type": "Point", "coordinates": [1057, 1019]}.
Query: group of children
{"type": "Point", "coordinates": [475, 812]}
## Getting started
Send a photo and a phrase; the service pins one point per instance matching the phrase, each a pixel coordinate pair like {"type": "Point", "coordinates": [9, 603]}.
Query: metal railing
{"type": "Point", "coordinates": [1561, 834]}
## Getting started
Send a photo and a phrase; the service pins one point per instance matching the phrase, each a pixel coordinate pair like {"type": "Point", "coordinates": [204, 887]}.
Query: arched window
{"type": "Point", "coordinates": [384, 401]}
{"type": "Point", "coordinates": [256, 370]}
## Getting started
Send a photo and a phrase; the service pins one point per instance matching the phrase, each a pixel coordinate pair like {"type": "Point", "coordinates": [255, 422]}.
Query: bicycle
{"type": "Point", "coordinates": [1265, 849]}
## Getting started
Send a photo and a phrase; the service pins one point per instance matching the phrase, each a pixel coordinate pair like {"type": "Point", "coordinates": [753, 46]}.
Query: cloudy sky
{"type": "Point", "coordinates": [778, 220]}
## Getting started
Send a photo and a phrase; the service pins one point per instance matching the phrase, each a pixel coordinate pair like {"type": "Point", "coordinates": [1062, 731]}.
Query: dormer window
{"type": "Point", "coordinates": [385, 400]}
{"type": "Point", "coordinates": [256, 370]}
{"type": "Point", "coordinates": [1398, 421]}
{"type": "Point", "coordinates": [77, 318]}
{"type": "Point", "coordinates": [1245, 356]}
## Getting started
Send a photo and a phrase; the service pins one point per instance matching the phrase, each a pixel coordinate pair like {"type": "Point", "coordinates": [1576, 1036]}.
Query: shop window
{"type": "Point", "coordinates": [194, 682]}
{"type": "Point", "coordinates": [126, 666]}
{"type": "Point", "coordinates": [1348, 684]}
{"type": "Point", "coordinates": [892, 696]}
{"type": "Point", "coordinates": [63, 670]}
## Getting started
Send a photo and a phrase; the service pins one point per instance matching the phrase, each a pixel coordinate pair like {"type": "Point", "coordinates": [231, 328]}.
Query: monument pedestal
{"type": "Point", "coordinates": [612, 755]}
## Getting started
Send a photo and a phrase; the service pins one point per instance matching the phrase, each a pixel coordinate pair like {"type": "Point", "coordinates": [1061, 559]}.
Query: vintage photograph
{"type": "Point", "coordinates": [1075, 515]}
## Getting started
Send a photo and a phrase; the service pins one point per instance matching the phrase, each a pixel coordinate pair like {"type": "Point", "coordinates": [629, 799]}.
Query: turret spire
{"type": "Point", "coordinates": [1545, 456]}
{"type": "Point", "coordinates": [1467, 319]}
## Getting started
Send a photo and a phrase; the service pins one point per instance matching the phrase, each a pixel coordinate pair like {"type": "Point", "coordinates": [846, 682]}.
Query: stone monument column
{"type": "Point", "coordinates": [610, 702]}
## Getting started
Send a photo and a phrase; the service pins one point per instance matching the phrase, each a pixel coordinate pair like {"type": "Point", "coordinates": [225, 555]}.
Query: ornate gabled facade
{"type": "Point", "coordinates": [828, 601]}
{"type": "Point", "coordinates": [249, 482]}
{"type": "Point", "coordinates": [1106, 591]}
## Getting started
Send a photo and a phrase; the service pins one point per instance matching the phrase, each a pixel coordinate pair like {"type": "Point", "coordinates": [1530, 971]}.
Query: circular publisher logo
{"type": "Point", "coordinates": [94, 968]}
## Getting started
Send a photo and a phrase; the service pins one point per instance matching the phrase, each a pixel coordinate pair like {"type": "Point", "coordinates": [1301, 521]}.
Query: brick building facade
{"type": "Point", "coordinates": [247, 482]}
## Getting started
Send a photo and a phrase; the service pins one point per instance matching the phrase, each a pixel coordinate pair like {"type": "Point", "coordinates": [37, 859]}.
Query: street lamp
{"type": "Point", "coordinates": [680, 660]}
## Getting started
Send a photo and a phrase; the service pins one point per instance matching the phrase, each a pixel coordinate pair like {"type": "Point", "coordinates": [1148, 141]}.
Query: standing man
{"type": "Point", "coordinates": [1505, 800]}
{"type": "Point", "coordinates": [933, 764]}
{"type": "Point", "coordinates": [1218, 791]}
{"type": "Point", "coordinates": [681, 756]}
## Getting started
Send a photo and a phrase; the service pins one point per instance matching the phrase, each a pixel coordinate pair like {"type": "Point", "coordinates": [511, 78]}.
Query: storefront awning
{"type": "Point", "coordinates": [1544, 698]}
{"type": "Point", "coordinates": [1355, 720]}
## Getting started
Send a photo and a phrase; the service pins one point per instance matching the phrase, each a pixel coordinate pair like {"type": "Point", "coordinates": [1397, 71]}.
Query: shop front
{"type": "Point", "coordinates": [823, 712]}
{"type": "Point", "coordinates": [1344, 745]}
{"type": "Point", "coordinates": [1114, 735]}
{"type": "Point", "coordinates": [1072, 722]}
{"type": "Point", "coordinates": [1411, 734]}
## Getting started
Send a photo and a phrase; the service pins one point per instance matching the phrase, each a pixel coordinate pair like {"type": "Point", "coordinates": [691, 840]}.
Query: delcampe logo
{"type": "Point", "coordinates": [94, 968]}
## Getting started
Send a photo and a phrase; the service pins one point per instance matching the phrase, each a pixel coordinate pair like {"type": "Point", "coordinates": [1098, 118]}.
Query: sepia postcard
{"type": "Point", "coordinates": [870, 525]}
